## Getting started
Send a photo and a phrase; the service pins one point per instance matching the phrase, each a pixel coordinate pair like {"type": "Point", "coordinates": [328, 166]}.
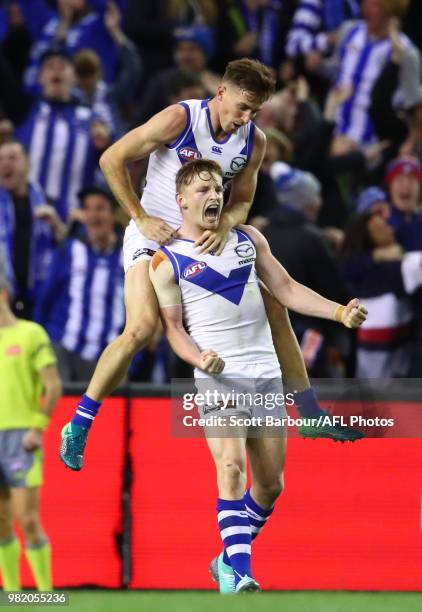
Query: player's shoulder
{"type": "Point", "coordinates": [161, 266]}
{"type": "Point", "coordinates": [252, 233]}
{"type": "Point", "coordinates": [259, 137]}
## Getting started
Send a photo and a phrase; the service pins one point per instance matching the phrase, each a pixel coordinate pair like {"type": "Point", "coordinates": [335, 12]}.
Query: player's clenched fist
{"type": "Point", "coordinates": [210, 362]}
{"type": "Point", "coordinates": [352, 315]}
{"type": "Point", "coordinates": [155, 229]}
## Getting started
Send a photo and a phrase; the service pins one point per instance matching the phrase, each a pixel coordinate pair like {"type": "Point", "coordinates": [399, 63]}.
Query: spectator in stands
{"type": "Point", "coordinates": [185, 85]}
{"type": "Point", "coordinates": [192, 12]}
{"type": "Point", "coordinates": [109, 100]}
{"type": "Point", "coordinates": [413, 142]}
{"type": "Point", "coordinates": [397, 120]}
{"type": "Point", "coordinates": [363, 49]}
{"type": "Point", "coordinates": [14, 37]}
{"type": "Point", "coordinates": [29, 228]}
{"type": "Point", "coordinates": [311, 133]}
{"type": "Point", "coordinates": [380, 273]}
{"type": "Point", "coordinates": [252, 28]}
{"type": "Point", "coordinates": [81, 302]}
{"type": "Point", "coordinates": [404, 178]}
{"type": "Point", "coordinates": [302, 249]}
{"type": "Point", "coordinates": [64, 140]}
{"type": "Point", "coordinates": [375, 201]}
{"type": "Point", "coordinates": [150, 25]}
{"type": "Point", "coordinates": [314, 23]}
{"type": "Point", "coordinates": [75, 25]}
{"type": "Point", "coordinates": [6, 130]}
{"type": "Point", "coordinates": [194, 47]}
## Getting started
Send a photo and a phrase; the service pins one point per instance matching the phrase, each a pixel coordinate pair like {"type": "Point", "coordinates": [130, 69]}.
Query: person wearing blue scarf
{"type": "Point", "coordinates": [28, 228]}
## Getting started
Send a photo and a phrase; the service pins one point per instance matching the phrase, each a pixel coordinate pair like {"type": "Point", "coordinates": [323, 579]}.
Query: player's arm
{"type": "Point", "coordinates": [137, 144]}
{"type": "Point", "coordinates": [52, 391]}
{"type": "Point", "coordinates": [296, 296]}
{"type": "Point", "coordinates": [171, 312]}
{"type": "Point", "coordinates": [52, 388]}
{"type": "Point", "coordinates": [242, 192]}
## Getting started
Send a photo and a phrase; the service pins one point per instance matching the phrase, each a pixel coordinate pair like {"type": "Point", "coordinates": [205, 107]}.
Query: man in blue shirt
{"type": "Point", "coordinates": [63, 139]}
{"type": "Point", "coordinates": [81, 303]}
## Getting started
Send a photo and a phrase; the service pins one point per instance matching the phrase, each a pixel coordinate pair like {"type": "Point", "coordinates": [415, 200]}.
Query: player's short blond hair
{"type": "Point", "coordinates": [395, 8]}
{"type": "Point", "coordinates": [196, 167]}
{"type": "Point", "coordinates": [252, 76]}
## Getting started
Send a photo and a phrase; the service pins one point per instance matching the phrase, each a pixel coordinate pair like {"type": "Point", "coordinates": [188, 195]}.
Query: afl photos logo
{"type": "Point", "coordinates": [238, 163]}
{"type": "Point", "coordinates": [187, 154]}
{"type": "Point", "coordinates": [194, 269]}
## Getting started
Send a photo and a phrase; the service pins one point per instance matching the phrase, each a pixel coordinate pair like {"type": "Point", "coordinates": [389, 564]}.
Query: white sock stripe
{"type": "Point", "coordinates": [85, 414]}
{"type": "Point", "coordinates": [226, 513]}
{"type": "Point", "coordinates": [229, 531]}
{"type": "Point", "coordinates": [256, 516]}
{"type": "Point", "coordinates": [255, 529]}
{"type": "Point", "coordinates": [235, 549]}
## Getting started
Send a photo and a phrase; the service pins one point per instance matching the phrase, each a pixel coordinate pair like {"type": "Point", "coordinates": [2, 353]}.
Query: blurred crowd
{"type": "Point", "coordinates": [338, 195]}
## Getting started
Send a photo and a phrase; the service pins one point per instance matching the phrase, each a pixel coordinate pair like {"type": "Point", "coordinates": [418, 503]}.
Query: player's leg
{"type": "Point", "coordinates": [141, 321]}
{"type": "Point", "coordinates": [266, 459]}
{"type": "Point", "coordinates": [295, 375]}
{"type": "Point", "coordinates": [235, 573]}
{"type": "Point", "coordinates": [9, 544]}
{"type": "Point", "coordinates": [25, 502]}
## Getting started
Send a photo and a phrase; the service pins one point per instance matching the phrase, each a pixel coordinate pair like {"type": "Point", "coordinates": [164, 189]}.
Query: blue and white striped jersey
{"type": "Point", "coordinates": [362, 59]}
{"type": "Point", "coordinates": [62, 157]}
{"type": "Point", "coordinates": [311, 21]}
{"type": "Point", "coordinates": [222, 304]}
{"type": "Point", "coordinates": [81, 305]}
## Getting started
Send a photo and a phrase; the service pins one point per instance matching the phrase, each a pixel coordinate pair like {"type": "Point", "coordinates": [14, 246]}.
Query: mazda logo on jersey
{"type": "Point", "coordinates": [187, 154]}
{"type": "Point", "coordinates": [245, 250]}
{"type": "Point", "coordinates": [194, 269]}
{"type": "Point", "coordinates": [238, 163]}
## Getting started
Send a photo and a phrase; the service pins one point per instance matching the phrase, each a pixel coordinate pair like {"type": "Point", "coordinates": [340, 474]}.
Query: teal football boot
{"type": "Point", "coordinates": [73, 445]}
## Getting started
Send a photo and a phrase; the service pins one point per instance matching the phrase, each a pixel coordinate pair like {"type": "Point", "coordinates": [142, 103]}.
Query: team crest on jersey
{"type": "Point", "coordinates": [245, 250]}
{"type": "Point", "coordinates": [194, 269]}
{"type": "Point", "coordinates": [238, 163]}
{"type": "Point", "coordinates": [187, 154]}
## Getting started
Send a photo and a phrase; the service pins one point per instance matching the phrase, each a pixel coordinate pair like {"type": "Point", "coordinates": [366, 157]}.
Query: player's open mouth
{"type": "Point", "coordinates": [211, 213]}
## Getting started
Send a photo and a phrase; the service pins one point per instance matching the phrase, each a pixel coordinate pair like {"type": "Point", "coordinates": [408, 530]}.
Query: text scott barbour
{"type": "Point", "coordinates": [287, 421]}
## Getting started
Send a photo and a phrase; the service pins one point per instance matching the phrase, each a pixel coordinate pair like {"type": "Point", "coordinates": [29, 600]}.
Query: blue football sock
{"type": "Point", "coordinates": [86, 412]}
{"type": "Point", "coordinates": [235, 532]}
{"type": "Point", "coordinates": [307, 404]}
{"type": "Point", "coordinates": [258, 516]}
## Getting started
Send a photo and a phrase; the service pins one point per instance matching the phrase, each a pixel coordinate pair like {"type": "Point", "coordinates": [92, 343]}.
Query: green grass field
{"type": "Point", "coordinates": [193, 601]}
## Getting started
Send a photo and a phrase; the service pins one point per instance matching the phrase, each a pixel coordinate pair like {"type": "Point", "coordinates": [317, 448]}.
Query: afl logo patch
{"type": "Point", "coordinates": [187, 154]}
{"type": "Point", "coordinates": [194, 269]}
{"type": "Point", "coordinates": [237, 164]}
{"type": "Point", "coordinates": [245, 250]}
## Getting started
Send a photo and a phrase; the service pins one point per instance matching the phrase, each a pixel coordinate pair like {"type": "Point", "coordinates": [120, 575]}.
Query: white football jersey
{"type": "Point", "coordinates": [196, 141]}
{"type": "Point", "coordinates": [222, 304]}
